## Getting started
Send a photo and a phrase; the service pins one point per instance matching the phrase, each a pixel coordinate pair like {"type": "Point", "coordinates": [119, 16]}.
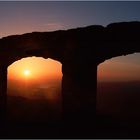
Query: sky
{"type": "Point", "coordinates": [21, 17]}
{"type": "Point", "coordinates": [34, 68]}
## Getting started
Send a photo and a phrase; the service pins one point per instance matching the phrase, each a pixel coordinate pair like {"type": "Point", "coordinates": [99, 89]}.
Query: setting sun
{"type": "Point", "coordinates": [36, 68]}
{"type": "Point", "coordinates": [26, 72]}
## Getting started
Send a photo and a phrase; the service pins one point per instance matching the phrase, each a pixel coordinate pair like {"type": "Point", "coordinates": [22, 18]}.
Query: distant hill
{"type": "Point", "coordinates": [120, 100]}
{"type": "Point", "coordinates": [21, 109]}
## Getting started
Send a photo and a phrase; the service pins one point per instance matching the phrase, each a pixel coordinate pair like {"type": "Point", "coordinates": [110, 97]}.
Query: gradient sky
{"type": "Point", "coordinates": [21, 17]}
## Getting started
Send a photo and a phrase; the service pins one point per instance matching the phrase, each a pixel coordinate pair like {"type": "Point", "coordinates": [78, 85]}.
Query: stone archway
{"type": "Point", "coordinates": [80, 51]}
{"type": "Point", "coordinates": [3, 95]}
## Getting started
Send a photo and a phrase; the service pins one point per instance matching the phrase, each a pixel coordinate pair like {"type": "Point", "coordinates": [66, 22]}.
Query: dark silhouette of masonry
{"type": "Point", "coordinates": [80, 51]}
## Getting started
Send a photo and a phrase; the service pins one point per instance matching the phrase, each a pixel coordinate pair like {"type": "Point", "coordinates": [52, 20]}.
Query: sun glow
{"type": "Point", "coordinates": [26, 72]}
{"type": "Point", "coordinates": [35, 68]}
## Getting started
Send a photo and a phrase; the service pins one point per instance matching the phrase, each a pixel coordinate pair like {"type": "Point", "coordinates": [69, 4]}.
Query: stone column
{"type": "Point", "coordinates": [79, 85]}
{"type": "Point", "coordinates": [3, 92]}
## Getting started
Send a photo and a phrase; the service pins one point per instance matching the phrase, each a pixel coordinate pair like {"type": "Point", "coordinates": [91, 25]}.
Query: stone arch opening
{"type": "Point", "coordinates": [38, 93]}
{"type": "Point", "coordinates": [80, 50]}
{"type": "Point", "coordinates": [118, 87]}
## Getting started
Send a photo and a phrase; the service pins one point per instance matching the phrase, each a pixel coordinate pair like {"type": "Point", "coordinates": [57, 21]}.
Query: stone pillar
{"type": "Point", "coordinates": [3, 92]}
{"type": "Point", "coordinates": [79, 85]}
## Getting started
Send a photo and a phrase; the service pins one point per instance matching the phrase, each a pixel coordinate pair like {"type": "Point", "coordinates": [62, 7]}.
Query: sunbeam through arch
{"type": "Point", "coordinates": [37, 81]}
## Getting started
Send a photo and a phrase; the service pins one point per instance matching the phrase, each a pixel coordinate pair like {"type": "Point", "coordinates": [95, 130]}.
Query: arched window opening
{"type": "Point", "coordinates": [118, 88]}
{"type": "Point", "coordinates": [34, 89]}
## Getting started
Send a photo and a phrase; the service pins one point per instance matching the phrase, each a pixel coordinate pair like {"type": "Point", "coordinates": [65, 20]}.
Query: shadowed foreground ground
{"type": "Point", "coordinates": [118, 116]}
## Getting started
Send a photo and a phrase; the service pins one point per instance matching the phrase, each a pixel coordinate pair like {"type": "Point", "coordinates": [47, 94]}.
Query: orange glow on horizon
{"type": "Point", "coordinates": [38, 68]}
{"type": "Point", "coordinates": [35, 68]}
{"type": "Point", "coordinates": [117, 69]}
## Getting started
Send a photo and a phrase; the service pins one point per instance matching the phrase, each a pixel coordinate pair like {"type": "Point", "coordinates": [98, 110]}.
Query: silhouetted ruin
{"type": "Point", "coordinates": [80, 51]}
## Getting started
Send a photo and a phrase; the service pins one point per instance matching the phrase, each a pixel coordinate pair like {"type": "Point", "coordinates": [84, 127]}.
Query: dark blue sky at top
{"type": "Point", "coordinates": [40, 15]}
{"type": "Point", "coordinates": [21, 17]}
